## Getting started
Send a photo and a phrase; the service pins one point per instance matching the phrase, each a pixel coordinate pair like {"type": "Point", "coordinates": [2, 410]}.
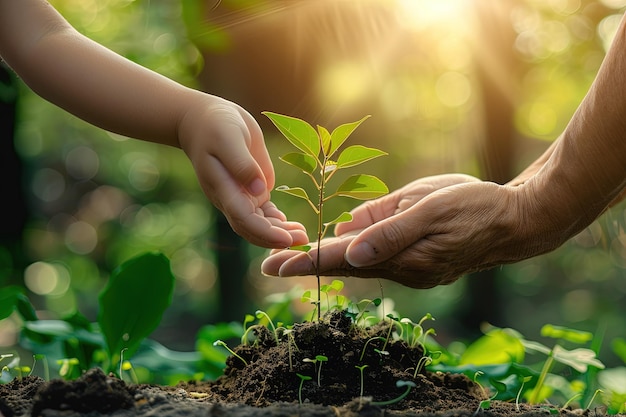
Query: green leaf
{"type": "Point", "coordinates": [8, 300]}
{"type": "Point", "coordinates": [579, 358]}
{"type": "Point", "coordinates": [342, 218]}
{"type": "Point", "coordinates": [25, 308]}
{"type": "Point", "coordinates": [296, 191]}
{"type": "Point", "coordinates": [496, 347]}
{"type": "Point", "coordinates": [341, 133]}
{"type": "Point", "coordinates": [298, 132]}
{"type": "Point", "coordinates": [362, 187]}
{"type": "Point", "coordinates": [571, 335]}
{"type": "Point", "coordinates": [325, 138]}
{"type": "Point", "coordinates": [300, 160]}
{"type": "Point", "coordinates": [357, 154]}
{"type": "Point", "coordinates": [133, 302]}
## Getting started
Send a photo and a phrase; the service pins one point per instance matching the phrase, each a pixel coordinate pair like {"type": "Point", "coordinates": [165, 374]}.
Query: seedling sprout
{"type": "Point", "coordinates": [315, 160]}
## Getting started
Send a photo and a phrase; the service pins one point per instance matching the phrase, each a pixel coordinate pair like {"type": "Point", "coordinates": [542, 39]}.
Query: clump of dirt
{"type": "Point", "coordinates": [360, 362]}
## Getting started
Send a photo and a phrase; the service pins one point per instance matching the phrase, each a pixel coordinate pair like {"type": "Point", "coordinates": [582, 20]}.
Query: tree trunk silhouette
{"type": "Point", "coordinates": [498, 74]}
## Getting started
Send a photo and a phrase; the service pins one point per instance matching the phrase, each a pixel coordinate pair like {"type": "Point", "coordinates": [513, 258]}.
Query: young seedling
{"type": "Point", "coordinates": [367, 343]}
{"type": "Point", "coordinates": [361, 369]}
{"type": "Point", "coordinates": [399, 384]}
{"type": "Point", "coordinates": [316, 160]}
{"type": "Point", "coordinates": [336, 286]}
{"type": "Point", "coordinates": [361, 306]}
{"type": "Point", "coordinates": [232, 352]}
{"type": "Point", "coordinates": [44, 360]}
{"type": "Point", "coordinates": [66, 366]}
{"type": "Point", "coordinates": [128, 367]}
{"type": "Point", "coordinates": [302, 379]}
{"type": "Point", "coordinates": [521, 389]}
{"type": "Point", "coordinates": [579, 359]}
{"type": "Point", "coordinates": [263, 315]}
{"type": "Point", "coordinates": [291, 345]}
{"type": "Point", "coordinates": [249, 318]}
{"type": "Point", "coordinates": [318, 359]}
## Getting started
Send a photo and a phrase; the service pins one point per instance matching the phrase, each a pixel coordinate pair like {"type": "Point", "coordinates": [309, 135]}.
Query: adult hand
{"type": "Point", "coordinates": [227, 150]}
{"type": "Point", "coordinates": [427, 233]}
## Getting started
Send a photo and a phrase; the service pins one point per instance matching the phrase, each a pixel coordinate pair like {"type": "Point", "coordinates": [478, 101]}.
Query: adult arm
{"type": "Point", "coordinates": [472, 226]}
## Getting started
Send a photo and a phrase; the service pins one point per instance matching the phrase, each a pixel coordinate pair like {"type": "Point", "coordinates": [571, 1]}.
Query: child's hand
{"type": "Point", "coordinates": [226, 147]}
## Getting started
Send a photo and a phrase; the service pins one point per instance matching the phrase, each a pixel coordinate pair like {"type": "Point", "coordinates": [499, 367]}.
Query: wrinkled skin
{"type": "Point", "coordinates": [434, 253]}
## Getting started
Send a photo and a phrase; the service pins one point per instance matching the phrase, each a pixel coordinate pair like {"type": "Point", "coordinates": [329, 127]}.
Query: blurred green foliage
{"type": "Point", "coordinates": [97, 199]}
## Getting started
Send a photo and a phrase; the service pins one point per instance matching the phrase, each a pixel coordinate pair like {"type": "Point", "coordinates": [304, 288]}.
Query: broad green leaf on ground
{"type": "Point", "coordinates": [300, 160]}
{"type": "Point", "coordinates": [497, 346]}
{"type": "Point", "coordinates": [357, 154]}
{"type": "Point", "coordinates": [133, 302]}
{"type": "Point", "coordinates": [298, 132]}
{"type": "Point", "coordinates": [362, 187]}
{"type": "Point", "coordinates": [341, 133]}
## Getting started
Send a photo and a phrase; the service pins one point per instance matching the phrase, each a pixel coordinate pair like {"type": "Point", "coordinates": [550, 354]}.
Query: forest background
{"type": "Point", "coordinates": [479, 87]}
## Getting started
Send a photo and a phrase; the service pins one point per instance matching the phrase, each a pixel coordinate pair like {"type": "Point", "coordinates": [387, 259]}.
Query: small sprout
{"type": "Point", "coordinates": [336, 286]}
{"type": "Point", "coordinates": [308, 298]}
{"type": "Point", "coordinates": [593, 397]}
{"type": "Point", "coordinates": [262, 314]}
{"type": "Point", "coordinates": [249, 318]}
{"type": "Point", "coordinates": [128, 367]}
{"type": "Point", "coordinates": [321, 359]}
{"type": "Point", "coordinates": [361, 309]}
{"type": "Point", "coordinates": [318, 359]}
{"type": "Point", "coordinates": [361, 369]}
{"type": "Point", "coordinates": [232, 352]}
{"type": "Point", "coordinates": [399, 384]}
{"type": "Point", "coordinates": [302, 379]}
{"type": "Point", "coordinates": [579, 359]}
{"type": "Point", "coordinates": [424, 361]}
{"type": "Point", "coordinates": [367, 343]}
{"type": "Point", "coordinates": [66, 366]}
{"type": "Point", "coordinates": [44, 360]}
{"type": "Point", "coordinates": [519, 393]}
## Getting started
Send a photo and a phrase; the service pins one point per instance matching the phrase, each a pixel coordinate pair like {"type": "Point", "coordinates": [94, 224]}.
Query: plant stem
{"type": "Point", "coordinates": [320, 225]}
{"type": "Point", "coordinates": [544, 371]}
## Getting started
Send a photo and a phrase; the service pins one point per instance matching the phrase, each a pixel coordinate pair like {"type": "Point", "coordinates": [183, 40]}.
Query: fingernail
{"type": "Point", "coordinates": [362, 254]}
{"type": "Point", "coordinates": [256, 187]}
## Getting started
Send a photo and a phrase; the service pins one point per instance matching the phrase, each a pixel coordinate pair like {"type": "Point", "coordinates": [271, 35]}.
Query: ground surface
{"type": "Point", "coordinates": [263, 381]}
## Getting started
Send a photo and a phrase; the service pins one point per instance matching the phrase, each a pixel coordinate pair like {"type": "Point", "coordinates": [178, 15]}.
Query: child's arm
{"type": "Point", "coordinates": [222, 140]}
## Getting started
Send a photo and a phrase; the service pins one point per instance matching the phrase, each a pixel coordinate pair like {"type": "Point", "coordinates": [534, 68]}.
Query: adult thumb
{"type": "Point", "coordinates": [384, 239]}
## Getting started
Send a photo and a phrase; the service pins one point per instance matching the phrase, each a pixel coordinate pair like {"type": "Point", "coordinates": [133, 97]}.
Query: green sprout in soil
{"type": "Point", "coordinates": [579, 359]}
{"type": "Point", "coordinates": [399, 384]}
{"type": "Point", "coordinates": [302, 379]}
{"type": "Point", "coordinates": [318, 160]}
{"type": "Point", "coordinates": [232, 352]}
{"type": "Point", "coordinates": [318, 359]}
{"type": "Point", "coordinates": [361, 369]}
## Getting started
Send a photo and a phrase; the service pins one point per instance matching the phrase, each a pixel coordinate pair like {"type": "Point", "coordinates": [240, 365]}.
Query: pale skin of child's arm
{"type": "Point", "coordinates": [222, 140]}
{"type": "Point", "coordinates": [436, 229]}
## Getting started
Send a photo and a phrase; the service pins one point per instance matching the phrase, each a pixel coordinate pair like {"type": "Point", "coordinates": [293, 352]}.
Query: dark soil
{"type": "Point", "coordinates": [268, 385]}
